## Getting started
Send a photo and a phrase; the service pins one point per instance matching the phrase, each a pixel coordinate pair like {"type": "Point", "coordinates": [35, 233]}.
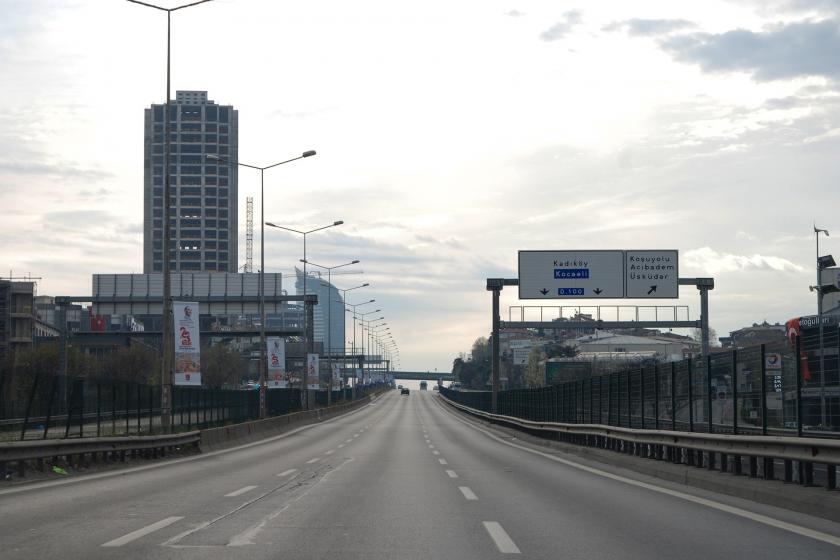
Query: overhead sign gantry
{"type": "Point", "coordinates": [638, 274]}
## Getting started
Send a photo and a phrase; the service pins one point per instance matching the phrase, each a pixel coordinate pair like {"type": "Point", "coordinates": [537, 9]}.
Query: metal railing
{"type": "Point", "coordinates": [58, 407]}
{"type": "Point", "coordinates": [799, 458]}
{"type": "Point", "coordinates": [758, 390]}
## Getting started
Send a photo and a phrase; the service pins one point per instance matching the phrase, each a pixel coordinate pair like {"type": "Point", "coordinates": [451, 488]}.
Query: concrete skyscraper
{"type": "Point", "coordinates": [203, 211]}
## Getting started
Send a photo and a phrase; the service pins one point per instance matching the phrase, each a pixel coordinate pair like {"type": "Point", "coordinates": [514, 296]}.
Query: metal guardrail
{"type": "Point", "coordinates": [29, 450]}
{"type": "Point", "coordinates": [20, 452]}
{"type": "Point", "coordinates": [693, 448]}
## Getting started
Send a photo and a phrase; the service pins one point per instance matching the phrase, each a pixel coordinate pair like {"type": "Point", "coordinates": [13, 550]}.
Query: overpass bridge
{"type": "Point", "coordinates": [423, 375]}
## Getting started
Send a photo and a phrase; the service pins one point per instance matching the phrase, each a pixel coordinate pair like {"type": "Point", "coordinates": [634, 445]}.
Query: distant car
{"type": "Point", "coordinates": [434, 387]}
{"type": "Point", "coordinates": [423, 385]}
{"type": "Point", "coordinates": [399, 386]}
{"type": "Point", "coordinates": [404, 391]}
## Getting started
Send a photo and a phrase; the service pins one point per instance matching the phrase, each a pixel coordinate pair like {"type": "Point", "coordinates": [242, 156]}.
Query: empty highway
{"type": "Point", "coordinates": [405, 477]}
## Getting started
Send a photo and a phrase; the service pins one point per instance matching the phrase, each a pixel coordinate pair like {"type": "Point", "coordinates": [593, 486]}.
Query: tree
{"type": "Point", "coordinates": [534, 370]}
{"type": "Point", "coordinates": [557, 350]}
{"type": "Point", "coordinates": [137, 363]}
{"type": "Point", "coordinates": [221, 365]}
{"type": "Point", "coordinates": [697, 334]}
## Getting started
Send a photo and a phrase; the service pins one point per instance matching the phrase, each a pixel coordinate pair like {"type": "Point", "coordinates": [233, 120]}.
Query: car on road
{"type": "Point", "coordinates": [434, 387]}
{"type": "Point", "coordinates": [404, 391]}
{"type": "Point", "coordinates": [423, 385]}
{"type": "Point", "coordinates": [399, 387]}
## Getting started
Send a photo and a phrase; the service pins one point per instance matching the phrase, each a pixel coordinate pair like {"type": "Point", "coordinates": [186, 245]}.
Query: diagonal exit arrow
{"type": "Point", "coordinates": [652, 290]}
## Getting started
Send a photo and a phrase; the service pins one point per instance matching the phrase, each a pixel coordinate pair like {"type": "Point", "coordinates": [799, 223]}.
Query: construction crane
{"type": "Point", "coordinates": [249, 234]}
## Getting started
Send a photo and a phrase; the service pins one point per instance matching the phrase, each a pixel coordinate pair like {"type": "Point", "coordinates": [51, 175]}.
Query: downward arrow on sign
{"type": "Point", "coordinates": [543, 291]}
{"type": "Point", "coordinates": [597, 291]}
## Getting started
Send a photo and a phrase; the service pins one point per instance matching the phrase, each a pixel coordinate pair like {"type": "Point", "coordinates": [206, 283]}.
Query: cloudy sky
{"type": "Point", "coordinates": [449, 136]}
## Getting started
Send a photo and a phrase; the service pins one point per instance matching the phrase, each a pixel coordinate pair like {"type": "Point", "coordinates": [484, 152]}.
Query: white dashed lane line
{"type": "Point", "coordinates": [503, 541]}
{"type": "Point", "coordinates": [452, 474]}
{"type": "Point", "coordinates": [287, 472]}
{"type": "Point", "coordinates": [443, 461]}
{"type": "Point", "coordinates": [435, 452]}
{"type": "Point", "coordinates": [239, 492]}
{"type": "Point", "coordinates": [468, 494]}
{"type": "Point", "coordinates": [330, 452]}
{"type": "Point", "coordinates": [134, 535]}
{"type": "Point", "coordinates": [341, 445]}
{"type": "Point", "coordinates": [315, 460]}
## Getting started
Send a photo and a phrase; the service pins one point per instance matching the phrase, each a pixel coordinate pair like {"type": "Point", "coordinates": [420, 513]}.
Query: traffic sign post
{"type": "Point", "coordinates": [638, 274]}
{"type": "Point", "coordinates": [651, 274]}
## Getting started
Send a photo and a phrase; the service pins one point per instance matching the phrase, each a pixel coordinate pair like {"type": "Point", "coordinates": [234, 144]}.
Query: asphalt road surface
{"type": "Point", "coordinates": [405, 477]}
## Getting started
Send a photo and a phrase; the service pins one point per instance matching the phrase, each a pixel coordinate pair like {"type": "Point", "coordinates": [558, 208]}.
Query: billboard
{"type": "Point", "coordinates": [187, 344]}
{"type": "Point", "coordinates": [312, 372]}
{"type": "Point", "coordinates": [276, 367]}
{"type": "Point", "coordinates": [336, 377]}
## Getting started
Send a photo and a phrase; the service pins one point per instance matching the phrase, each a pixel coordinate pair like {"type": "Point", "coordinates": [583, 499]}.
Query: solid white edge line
{"type": "Point", "coordinates": [740, 512]}
{"type": "Point", "coordinates": [452, 474]}
{"type": "Point", "coordinates": [287, 472]}
{"type": "Point", "coordinates": [134, 535]}
{"type": "Point", "coordinates": [503, 541]}
{"type": "Point", "coordinates": [203, 456]}
{"type": "Point", "coordinates": [239, 492]}
{"type": "Point", "coordinates": [468, 494]}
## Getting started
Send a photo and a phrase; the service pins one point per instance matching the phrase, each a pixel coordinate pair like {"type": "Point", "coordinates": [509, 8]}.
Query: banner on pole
{"type": "Point", "coordinates": [276, 367]}
{"type": "Point", "coordinates": [336, 377]}
{"type": "Point", "coordinates": [187, 344]}
{"type": "Point", "coordinates": [312, 372]}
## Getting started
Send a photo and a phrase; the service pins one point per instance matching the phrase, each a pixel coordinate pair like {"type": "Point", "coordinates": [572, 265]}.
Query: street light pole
{"type": "Point", "coordinates": [166, 308]}
{"type": "Point", "coordinates": [817, 232]}
{"type": "Point", "coordinates": [263, 364]}
{"type": "Point", "coordinates": [307, 344]}
{"type": "Point", "coordinates": [329, 270]}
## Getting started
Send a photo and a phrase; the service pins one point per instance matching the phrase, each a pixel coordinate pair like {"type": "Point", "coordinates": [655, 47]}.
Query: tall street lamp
{"type": "Point", "coordinates": [166, 311]}
{"type": "Point", "coordinates": [819, 291]}
{"type": "Point", "coordinates": [362, 324]}
{"type": "Point", "coordinates": [353, 312]}
{"type": "Point", "coordinates": [329, 270]}
{"type": "Point", "coordinates": [263, 365]}
{"type": "Point", "coordinates": [343, 299]}
{"type": "Point", "coordinates": [307, 344]}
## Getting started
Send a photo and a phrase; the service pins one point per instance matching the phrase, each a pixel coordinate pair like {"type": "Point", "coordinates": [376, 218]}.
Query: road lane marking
{"type": "Point", "coordinates": [503, 541]}
{"type": "Point", "coordinates": [431, 446]}
{"type": "Point", "coordinates": [341, 445]}
{"type": "Point", "coordinates": [452, 474]}
{"type": "Point", "coordinates": [443, 461]}
{"type": "Point", "coordinates": [435, 452]}
{"type": "Point", "coordinates": [355, 435]}
{"type": "Point", "coordinates": [287, 472]}
{"type": "Point", "coordinates": [468, 494]}
{"type": "Point", "coordinates": [315, 460]}
{"type": "Point", "coordinates": [134, 535]}
{"type": "Point", "coordinates": [348, 441]}
{"type": "Point", "coordinates": [757, 517]}
{"type": "Point", "coordinates": [239, 492]}
{"type": "Point", "coordinates": [330, 452]}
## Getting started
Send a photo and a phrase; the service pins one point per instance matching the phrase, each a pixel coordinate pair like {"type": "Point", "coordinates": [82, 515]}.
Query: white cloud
{"type": "Point", "coordinates": [712, 262]}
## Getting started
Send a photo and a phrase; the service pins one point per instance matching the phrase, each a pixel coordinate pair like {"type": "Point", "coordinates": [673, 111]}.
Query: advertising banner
{"type": "Point", "coordinates": [276, 356]}
{"type": "Point", "coordinates": [312, 372]}
{"type": "Point", "coordinates": [336, 377]}
{"type": "Point", "coordinates": [187, 344]}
